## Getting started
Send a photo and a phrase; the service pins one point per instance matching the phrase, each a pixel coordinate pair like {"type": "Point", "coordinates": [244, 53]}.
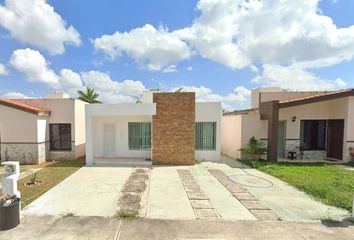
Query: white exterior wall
{"type": "Point", "coordinates": [209, 112]}
{"type": "Point", "coordinates": [120, 115]}
{"type": "Point", "coordinates": [121, 146]}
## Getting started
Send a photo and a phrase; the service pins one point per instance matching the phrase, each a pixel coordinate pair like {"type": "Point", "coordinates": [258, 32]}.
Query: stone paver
{"type": "Point", "coordinates": [245, 196]}
{"type": "Point", "coordinates": [254, 205]}
{"type": "Point", "coordinates": [202, 207]}
{"type": "Point", "coordinates": [206, 213]}
{"type": "Point", "coordinates": [132, 192]}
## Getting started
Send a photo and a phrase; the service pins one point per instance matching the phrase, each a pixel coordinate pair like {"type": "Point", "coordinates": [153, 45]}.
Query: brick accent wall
{"type": "Point", "coordinates": [173, 128]}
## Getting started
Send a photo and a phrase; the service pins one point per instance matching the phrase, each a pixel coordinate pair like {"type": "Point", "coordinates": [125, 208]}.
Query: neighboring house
{"type": "Point", "coordinates": [38, 130]}
{"type": "Point", "coordinates": [166, 128]}
{"type": "Point", "coordinates": [315, 125]}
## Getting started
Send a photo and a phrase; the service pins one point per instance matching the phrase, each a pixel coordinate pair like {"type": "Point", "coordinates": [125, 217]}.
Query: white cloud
{"type": "Point", "coordinates": [3, 70]}
{"type": "Point", "coordinates": [294, 77]}
{"type": "Point", "coordinates": [237, 33]}
{"type": "Point", "coordinates": [113, 91]}
{"type": "Point", "coordinates": [69, 79]}
{"type": "Point", "coordinates": [238, 99]}
{"type": "Point", "coordinates": [36, 22]}
{"type": "Point", "coordinates": [150, 47]}
{"type": "Point", "coordinates": [170, 69]}
{"type": "Point", "coordinates": [190, 68]}
{"type": "Point", "coordinates": [34, 66]}
{"type": "Point", "coordinates": [99, 80]}
{"type": "Point", "coordinates": [36, 69]}
{"type": "Point", "coordinates": [15, 95]}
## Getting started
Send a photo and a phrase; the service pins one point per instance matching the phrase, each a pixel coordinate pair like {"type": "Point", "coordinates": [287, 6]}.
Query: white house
{"type": "Point", "coordinates": [166, 128]}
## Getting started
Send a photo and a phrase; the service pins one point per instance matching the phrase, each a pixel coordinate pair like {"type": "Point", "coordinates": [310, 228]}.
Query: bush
{"type": "Point", "coordinates": [254, 149]}
{"type": "Point", "coordinates": [351, 153]}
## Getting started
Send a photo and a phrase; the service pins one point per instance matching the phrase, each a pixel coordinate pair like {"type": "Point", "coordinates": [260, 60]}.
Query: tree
{"type": "Point", "coordinates": [89, 96]}
{"type": "Point", "coordinates": [179, 90]}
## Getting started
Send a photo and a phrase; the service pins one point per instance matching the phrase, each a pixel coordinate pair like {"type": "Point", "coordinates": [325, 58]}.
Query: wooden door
{"type": "Point", "coordinates": [335, 132]}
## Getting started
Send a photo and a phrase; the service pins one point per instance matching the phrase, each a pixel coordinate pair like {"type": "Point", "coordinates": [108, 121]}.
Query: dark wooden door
{"type": "Point", "coordinates": [335, 133]}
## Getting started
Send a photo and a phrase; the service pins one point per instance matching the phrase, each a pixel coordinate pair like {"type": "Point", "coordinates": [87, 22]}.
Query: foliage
{"type": "Point", "coordinates": [138, 100]}
{"type": "Point", "coordinates": [351, 152]}
{"type": "Point", "coordinates": [254, 148]}
{"type": "Point", "coordinates": [90, 96]}
{"type": "Point", "coordinates": [126, 215]}
{"type": "Point", "coordinates": [330, 184]}
{"type": "Point", "coordinates": [69, 214]}
{"type": "Point", "coordinates": [179, 90]}
{"type": "Point", "coordinates": [34, 178]}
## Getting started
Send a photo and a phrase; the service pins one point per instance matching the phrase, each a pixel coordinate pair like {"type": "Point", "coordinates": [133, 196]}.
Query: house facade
{"type": "Point", "coordinates": [314, 125]}
{"type": "Point", "coordinates": [38, 130]}
{"type": "Point", "coordinates": [166, 128]}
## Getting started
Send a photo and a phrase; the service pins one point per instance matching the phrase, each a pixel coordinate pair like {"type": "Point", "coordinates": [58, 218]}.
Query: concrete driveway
{"type": "Point", "coordinates": [205, 191]}
{"type": "Point", "coordinates": [91, 191]}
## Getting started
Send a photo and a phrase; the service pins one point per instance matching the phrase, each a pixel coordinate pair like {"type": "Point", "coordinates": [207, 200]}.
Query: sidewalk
{"type": "Point", "coordinates": [45, 227]}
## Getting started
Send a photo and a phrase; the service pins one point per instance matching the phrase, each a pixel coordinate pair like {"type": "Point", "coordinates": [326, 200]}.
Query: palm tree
{"type": "Point", "coordinates": [89, 96]}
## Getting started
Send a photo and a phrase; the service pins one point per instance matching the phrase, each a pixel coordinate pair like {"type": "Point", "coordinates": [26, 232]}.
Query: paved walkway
{"type": "Point", "coordinates": [82, 228]}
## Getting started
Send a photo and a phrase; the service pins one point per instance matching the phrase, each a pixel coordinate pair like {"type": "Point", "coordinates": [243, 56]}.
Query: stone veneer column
{"type": "Point", "coordinates": [173, 129]}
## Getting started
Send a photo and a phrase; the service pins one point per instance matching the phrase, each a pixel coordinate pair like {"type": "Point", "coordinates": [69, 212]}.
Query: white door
{"type": "Point", "coordinates": [109, 139]}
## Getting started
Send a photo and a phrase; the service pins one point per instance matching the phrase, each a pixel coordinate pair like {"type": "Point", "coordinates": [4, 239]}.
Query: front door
{"type": "Point", "coordinates": [281, 139]}
{"type": "Point", "coordinates": [335, 131]}
{"type": "Point", "coordinates": [109, 139]}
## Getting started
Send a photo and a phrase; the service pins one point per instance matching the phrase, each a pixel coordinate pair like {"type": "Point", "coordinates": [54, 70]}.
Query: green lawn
{"type": "Point", "coordinates": [51, 175]}
{"type": "Point", "coordinates": [330, 184]}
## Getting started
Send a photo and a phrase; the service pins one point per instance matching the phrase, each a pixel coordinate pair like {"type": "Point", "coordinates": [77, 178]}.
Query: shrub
{"type": "Point", "coordinates": [254, 149]}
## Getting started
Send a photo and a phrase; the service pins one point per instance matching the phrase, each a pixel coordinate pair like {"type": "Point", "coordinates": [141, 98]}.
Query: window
{"type": "Point", "coordinates": [60, 136]}
{"type": "Point", "coordinates": [139, 135]}
{"type": "Point", "coordinates": [313, 134]}
{"type": "Point", "coordinates": [205, 135]}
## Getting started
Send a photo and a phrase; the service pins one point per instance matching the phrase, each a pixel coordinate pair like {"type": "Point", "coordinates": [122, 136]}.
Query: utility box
{"type": "Point", "coordinates": [9, 180]}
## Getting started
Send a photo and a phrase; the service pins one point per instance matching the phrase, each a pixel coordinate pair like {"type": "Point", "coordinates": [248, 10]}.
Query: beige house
{"type": "Point", "coordinates": [312, 125]}
{"type": "Point", "coordinates": [37, 130]}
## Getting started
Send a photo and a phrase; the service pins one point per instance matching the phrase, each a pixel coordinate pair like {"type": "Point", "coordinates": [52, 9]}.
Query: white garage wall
{"type": "Point", "coordinates": [209, 112]}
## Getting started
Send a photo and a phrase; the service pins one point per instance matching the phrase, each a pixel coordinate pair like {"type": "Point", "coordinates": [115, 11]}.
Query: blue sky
{"type": "Point", "coordinates": [220, 49]}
